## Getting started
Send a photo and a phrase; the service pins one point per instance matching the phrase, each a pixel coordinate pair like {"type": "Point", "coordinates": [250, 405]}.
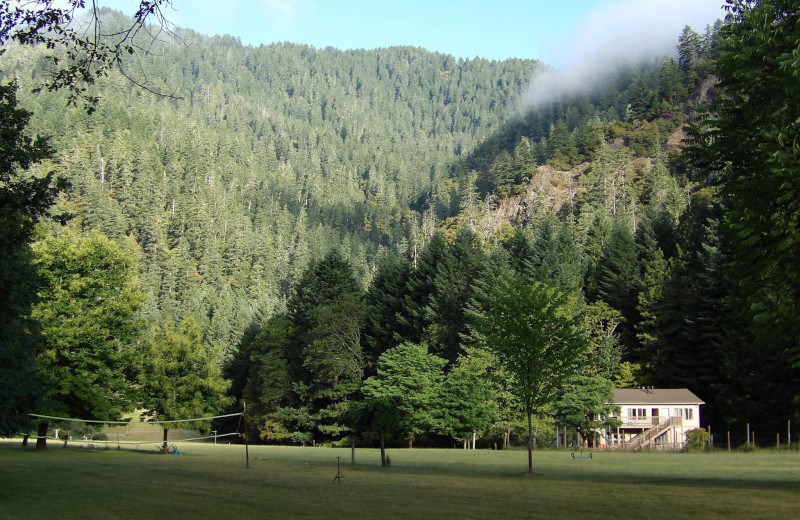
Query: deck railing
{"type": "Point", "coordinates": [659, 426]}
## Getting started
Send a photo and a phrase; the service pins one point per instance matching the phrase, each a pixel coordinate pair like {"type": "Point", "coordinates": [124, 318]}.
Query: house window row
{"type": "Point", "coordinates": [641, 413]}
{"type": "Point", "coordinates": [637, 412]}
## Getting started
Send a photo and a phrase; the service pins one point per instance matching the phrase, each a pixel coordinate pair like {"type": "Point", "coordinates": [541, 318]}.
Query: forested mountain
{"type": "Point", "coordinates": [272, 156]}
{"type": "Point", "coordinates": [338, 228]}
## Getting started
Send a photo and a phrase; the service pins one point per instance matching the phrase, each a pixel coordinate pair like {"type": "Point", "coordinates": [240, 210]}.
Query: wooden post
{"type": "Point", "coordinates": [754, 439]}
{"type": "Point", "coordinates": [246, 441]}
{"type": "Point", "coordinates": [778, 440]}
{"type": "Point", "coordinates": [748, 435]}
{"type": "Point", "coordinates": [729, 440]}
{"type": "Point", "coordinates": [565, 438]}
{"type": "Point", "coordinates": [789, 435]}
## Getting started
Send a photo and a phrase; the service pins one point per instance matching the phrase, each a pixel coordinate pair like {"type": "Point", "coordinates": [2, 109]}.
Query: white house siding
{"type": "Point", "coordinates": [639, 410]}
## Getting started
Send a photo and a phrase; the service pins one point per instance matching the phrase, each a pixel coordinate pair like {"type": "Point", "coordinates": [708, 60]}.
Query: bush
{"type": "Point", "coordinates": [697, 439]}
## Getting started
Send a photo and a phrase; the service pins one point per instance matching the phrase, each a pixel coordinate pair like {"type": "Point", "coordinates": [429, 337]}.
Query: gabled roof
{"type": "Point", "coordinates": [655, 396]}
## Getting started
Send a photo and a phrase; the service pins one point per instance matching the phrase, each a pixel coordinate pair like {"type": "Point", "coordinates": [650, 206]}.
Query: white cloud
{"type": "Point", "coordinates": [621, 33]}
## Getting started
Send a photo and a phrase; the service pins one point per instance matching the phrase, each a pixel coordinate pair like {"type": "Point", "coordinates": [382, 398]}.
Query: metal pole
{"type": "Point", "coordinates": [246, 445]}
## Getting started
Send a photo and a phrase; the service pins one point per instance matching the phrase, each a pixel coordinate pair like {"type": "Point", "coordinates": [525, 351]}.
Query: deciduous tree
{"type": "Point", "coordinates": [536, 334]}
{"type": "Point", "coordinates": [412, 377]}
{"type": "Point", "coordinates": [87, 311]}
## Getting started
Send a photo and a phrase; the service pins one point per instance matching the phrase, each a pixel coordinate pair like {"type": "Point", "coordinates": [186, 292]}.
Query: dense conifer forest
{"type": "Point", "coordinates": [331, 235]}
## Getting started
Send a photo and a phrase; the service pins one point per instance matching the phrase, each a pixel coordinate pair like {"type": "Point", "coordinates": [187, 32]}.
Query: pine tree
{"type": "Point", "coordinates": [383, 307]}
{"type": "Point", "coordinates": [421, 287]}
{"type": "Point", "coordinates": [24, 200]}
{"type": "Point", "coordinates": [181, 377]}
{"type": "Point", "coordinates": [748, 141]}
{"type": "Point", "coordinates": [461, 267]}
{"type": "Point", "coordinates": [618, 279]}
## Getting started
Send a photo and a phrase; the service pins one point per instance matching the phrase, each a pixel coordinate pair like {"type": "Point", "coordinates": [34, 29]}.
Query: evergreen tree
{"type": "Point", "coordinates": [561, 149]}
{"type": "Point", "coordinates": [421, 286]}
{"type": "Point", "coordinates": [383, 307]}
{"type": "Point", "coordinates": [689, 50]}
{"type": "Point", "coordinates": [617, 279]}
{"type": "Point", "coordinates": [461, 267]}
{"type": "Point", "coordinates": [749, 143]}
{"type": "Point", "coordinates": [268, 385]}
{"type": "Point", "coordinates": [181, 377]}
{"type": "Point", "coordinates": [325, 352]}
{"type": "Point", "coordinates": [24, 200]}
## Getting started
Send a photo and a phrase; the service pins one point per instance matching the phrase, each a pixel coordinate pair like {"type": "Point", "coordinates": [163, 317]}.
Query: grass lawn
{"type": "Point", "coordinates": [208, 481]}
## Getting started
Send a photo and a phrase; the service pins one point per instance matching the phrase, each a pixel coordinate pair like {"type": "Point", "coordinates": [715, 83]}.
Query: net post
{"type": "Point", "coordinates": [246, 441]}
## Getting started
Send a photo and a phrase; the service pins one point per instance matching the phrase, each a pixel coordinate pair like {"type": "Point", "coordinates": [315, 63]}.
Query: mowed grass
{"type": "Point", "coordinates": [208, 481]}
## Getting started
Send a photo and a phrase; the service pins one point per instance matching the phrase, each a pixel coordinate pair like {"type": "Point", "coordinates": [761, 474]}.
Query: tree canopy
{"type": "Point", "coordinates": [535, 332]}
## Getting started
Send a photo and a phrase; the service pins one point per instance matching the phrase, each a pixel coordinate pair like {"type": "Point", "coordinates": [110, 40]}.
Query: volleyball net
{"type": "Point", "coordinates": [140, 433]}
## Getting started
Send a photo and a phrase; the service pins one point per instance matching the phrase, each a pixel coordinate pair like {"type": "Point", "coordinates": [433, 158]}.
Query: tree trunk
{"type": "Point", "coordinates": [530, 441]}
{"type": "Point", "coordinates": [166, 432]}
{"type": "Point", "coordinates": [383, 450]}
{"type": "Point", "coordinates": [41, 436]}
{"type": "Point", "coordinates": [352, 450]}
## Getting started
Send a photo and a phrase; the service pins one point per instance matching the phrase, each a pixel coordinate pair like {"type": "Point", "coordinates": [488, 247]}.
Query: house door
{"type": "Point", "coordinates": [654, 415]}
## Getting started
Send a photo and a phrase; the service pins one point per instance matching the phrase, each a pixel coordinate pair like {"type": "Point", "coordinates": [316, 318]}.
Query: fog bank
{"type": "Point", "coordinates": [617, 34]}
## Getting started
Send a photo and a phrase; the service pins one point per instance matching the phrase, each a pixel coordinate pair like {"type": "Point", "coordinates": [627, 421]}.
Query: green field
{"type": "Point", "coordinates": [208, 481]}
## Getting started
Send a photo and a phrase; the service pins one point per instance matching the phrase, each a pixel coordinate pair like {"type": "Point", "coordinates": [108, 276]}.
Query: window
{"type": "Point", "coordinates": [637, 412]}
{"type": "Point", "coordinates": [678, 412]}
{"type": "Point", "coordinates": [688, 413]}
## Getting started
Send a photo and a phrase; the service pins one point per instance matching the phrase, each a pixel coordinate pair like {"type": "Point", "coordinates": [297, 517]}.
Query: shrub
{"type": "Point", "coordinates": [697, 439]}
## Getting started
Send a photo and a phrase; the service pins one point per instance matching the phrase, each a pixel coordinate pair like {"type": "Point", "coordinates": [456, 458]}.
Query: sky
{"type": "Point", "coordinates": [562, 33]}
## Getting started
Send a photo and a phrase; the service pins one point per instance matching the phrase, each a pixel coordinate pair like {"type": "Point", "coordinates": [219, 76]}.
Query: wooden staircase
{"type": "Point", "coordinates": [649, 436]}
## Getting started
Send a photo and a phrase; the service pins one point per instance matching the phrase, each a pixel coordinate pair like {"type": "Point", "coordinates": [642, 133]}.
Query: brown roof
{"type": "Point", "coordinates": [656, 396]}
